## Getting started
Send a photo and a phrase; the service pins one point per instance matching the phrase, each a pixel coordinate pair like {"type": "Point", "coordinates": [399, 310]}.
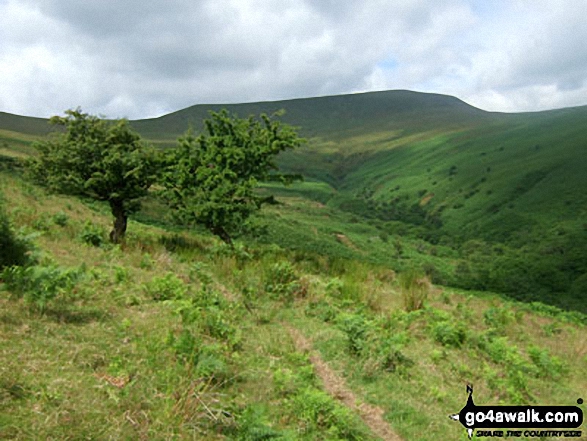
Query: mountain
{"type": "Point", "coordinates": [332, 116]}
{"type": "Point", "coordinates": [506, 191]}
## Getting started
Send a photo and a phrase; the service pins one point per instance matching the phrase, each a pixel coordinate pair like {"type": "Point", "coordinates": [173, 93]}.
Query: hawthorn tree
{"type": "Point", "coordinates": [103, 160]}
{"type": "Point", "coordinates": [211, 178]}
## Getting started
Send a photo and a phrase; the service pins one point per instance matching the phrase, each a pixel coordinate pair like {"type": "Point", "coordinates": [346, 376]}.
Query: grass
{"type": "Point", "coordinates": [172, 336]}
{"type": "Point", "coordinates": [421, 167]}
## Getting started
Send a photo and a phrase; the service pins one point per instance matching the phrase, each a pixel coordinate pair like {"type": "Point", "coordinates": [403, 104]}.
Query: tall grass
{"type": "Point", "coordinates": [415, 288]}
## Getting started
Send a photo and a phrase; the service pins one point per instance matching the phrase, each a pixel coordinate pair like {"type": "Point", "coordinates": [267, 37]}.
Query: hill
{"type": "Point", "coordinates": [175, 336]}
{"type": "Point", "coordinates": [334, 117]}
{"type": "Point", "coordinates": [503, 192]}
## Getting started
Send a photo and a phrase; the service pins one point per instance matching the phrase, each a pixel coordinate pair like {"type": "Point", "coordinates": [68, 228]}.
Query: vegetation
{"type": "Point", "coordinates": [175, 335]}
{"type": "Point", "coordinates": [430, 167]}
{"type": "Point", "coordinates": [326, 307]}
{"type": "Point", "coordinates": [414, 287]}
{"type": "Point", "coordinates": [99, 159]}
{"type": "Point", "coordinates": [211, 179]}
{"type": "Point", "coordinates": [14, 250]}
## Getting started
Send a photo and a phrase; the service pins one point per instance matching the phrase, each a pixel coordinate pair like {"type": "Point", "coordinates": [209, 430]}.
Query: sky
{"type": "Point", "coordinates": [138, 59]}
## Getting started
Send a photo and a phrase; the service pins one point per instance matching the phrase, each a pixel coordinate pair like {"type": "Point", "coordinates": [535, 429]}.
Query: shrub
{"type": "Point", "coordinates": [167, 287]}
{"type": "Point", "coordinates": [499, 349]}
{"type": "Point", "coordinates": [321, 309]}
{"type": "Point", "coordinates": [253, 425]}
{"type": "Point", "coordinates": [288, 382]}
{"type": "Point", "coordinates": [40, 284]}
{"type": "Point", "coordinates": [549, 366]}
{"type": "Point", "coordinates": [92, 234]}
{"type": "Point", "coordinates": [208, 312]}
{"type": "Point", "coordinates": [334, 287]}
{"type": "Point", "coordinates": [282, 281]}
{"type": "Point", "coordinates": [414, 289]}
{"type": "Point", "coordinates": [211, 364]}
{"type": "Point", "coordinates": [390, 355]}
{"type": "Point", "coordinates": [60, 219]}
{"type": "Point", "coordinates": [355, 326]}
{"type": "Point", "coordinates": [320, 411]}
{"type": "Point", "coordinates": [14, 249]}
{"type": "Point", "coordinates": [449, 334]}
{"type": "Point", "coordinates": [208, 359]}
{"type": "Point", "coordinates": [41, 223]}
{"type": "Point", "coordinates": [185, 346]}
{"type": "Point", "coordinates": [498, 317]}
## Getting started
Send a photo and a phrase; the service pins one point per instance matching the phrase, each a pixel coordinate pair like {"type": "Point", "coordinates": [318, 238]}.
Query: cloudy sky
{"type": "Point", "coordinates": [137, 59]}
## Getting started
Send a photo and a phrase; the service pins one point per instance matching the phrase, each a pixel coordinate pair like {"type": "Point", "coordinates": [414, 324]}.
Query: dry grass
{"type": "Point", "coordinates": [414, 289]}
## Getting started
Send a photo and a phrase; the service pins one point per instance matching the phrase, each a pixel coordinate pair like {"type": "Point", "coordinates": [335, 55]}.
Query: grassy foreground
{"type": "Point", "coordinates": [174, 336]}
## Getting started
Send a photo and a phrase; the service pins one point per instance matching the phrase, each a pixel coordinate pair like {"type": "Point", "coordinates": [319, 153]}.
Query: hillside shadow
{"type": "Point", "coordinates": [77, 316]}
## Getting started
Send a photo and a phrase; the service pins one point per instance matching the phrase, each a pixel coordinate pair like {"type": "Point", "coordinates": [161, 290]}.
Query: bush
{"type": "Point", "coordinates": [208, 360]}
{"type": "Point", "coordinates": [549, 366]}
{"type": "Point", "coordinates": [208, 312]}
{"type": "Point", "coordinates": [60, 219]}
{"type": "Point", "coordinates": [282, 281]}
{"type": "Point", "coordinates": [167, 287]}
{"type": "Point", "coordinates": [40, 284]}
{"type": "Point", "coordinates": [185, 346]}
{"type": "Point", "coordinates": [320, 411]}
{"type": "Point", "coordinates": [254, 425]}
{"type": "Point", "coordinates": [355, 326]}
{"type": "Point", "coordinates": [414, 289]}
{"type": "Point", "coordinates": [321, 309]}
{"type": "Point", "coordinates": [448, 334]}
{"type": "Point", "coordinates": [14, 249]}
{"type": "Point", "coordinates": [389, 351]}
{"type": "Point", "coordinates": [93, 234]}
{"type": "Point", "coordinates": [498, 317]}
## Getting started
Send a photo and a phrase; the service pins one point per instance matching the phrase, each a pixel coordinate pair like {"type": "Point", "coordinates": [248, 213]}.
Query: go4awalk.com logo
{"type": "Point", "coordinates": [518, 420]}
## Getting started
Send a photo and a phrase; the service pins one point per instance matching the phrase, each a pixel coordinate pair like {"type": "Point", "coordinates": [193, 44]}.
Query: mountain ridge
{"type": "Point", "coordinates": [398, 102]}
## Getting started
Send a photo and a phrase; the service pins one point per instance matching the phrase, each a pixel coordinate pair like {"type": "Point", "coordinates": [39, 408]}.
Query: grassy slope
{"type": "Point", "coordinates": [425, 160]}
{"type": "Point", "coordinates": [526, 169]}
{"type": "Point", "coordinates": [513, 172]}
{"type": "Point", "coordinates": [58, 366]}
{"type": "Point", "coordinates": [333, 116]}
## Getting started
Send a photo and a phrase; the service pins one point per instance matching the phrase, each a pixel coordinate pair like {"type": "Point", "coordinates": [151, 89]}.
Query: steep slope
{"type": "Point", "coordinates": [175, 336]}
{"type": "Point", "coordinates": [505, 191]}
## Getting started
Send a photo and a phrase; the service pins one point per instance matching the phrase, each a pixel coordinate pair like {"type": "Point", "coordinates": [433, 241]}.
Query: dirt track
{"type": "Point", "coordinates": [335, 385]}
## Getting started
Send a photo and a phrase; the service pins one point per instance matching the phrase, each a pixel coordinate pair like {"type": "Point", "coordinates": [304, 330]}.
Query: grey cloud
{"type": "Point", "coordinates": [137, 59]}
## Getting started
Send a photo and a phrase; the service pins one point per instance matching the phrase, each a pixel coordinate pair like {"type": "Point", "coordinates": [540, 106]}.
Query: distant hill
{"type": "Point", "coordinates": [333, 116]}
{"type": "Point", "coordinates": [27, 125]}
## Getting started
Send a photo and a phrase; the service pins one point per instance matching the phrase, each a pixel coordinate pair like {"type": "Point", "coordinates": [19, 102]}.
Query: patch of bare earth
{"type": "Point", "coordinates": [346, 241]}
{"type": "Point", "coordinates": [335, 385]}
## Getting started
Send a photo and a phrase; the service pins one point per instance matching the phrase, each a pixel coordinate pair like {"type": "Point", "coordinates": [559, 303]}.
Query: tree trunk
{"type": "Point", "coordinates": [222, 234]}
{"type": "Point", "coordinates": [120, 221]}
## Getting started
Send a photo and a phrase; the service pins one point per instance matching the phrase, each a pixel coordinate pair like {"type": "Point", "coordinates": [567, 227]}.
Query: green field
{"type": "Point", "coordinates": [304, 330]}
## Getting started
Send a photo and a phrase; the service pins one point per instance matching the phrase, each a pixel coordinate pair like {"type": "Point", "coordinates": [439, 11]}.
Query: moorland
{"type": "Point", "coordinates": [431, 244]}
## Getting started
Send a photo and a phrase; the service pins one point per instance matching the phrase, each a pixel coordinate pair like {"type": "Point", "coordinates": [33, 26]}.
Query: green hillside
{"type": "Point", "coordinates": [175, 336]}
{"type": "Point", "coordinates": [502, 194]}
{"type": "Point", "coordinates": [432, 245]}
{"type": "Point", "coordinates": [503, 172]}
{"type": "Point", "coordinates": [335, 117]}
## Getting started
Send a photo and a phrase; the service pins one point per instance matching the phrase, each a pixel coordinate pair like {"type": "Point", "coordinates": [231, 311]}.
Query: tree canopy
{"type": "Point", "coordinates": [211, 178]}
{"type": "Point", "coordinates": [103, 160]}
